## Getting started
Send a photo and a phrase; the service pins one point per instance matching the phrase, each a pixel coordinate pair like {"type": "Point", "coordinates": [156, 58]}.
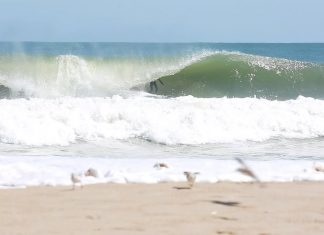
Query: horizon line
{"type": "Point", "coordinates": [160, 42]}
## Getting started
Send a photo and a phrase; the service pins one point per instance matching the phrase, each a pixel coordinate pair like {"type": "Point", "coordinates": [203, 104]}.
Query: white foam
{"type": "Point", "coordinates": [34, 171]}
{"type": "Point", "coordinates": [183, 120]}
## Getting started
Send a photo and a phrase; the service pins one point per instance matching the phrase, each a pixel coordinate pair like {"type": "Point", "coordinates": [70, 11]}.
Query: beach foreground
{"type": "Point", "coordinates": [165, 208]}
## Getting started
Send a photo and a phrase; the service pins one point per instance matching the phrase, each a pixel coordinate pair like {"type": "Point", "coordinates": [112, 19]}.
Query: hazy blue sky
{"type": "Point", "coordinates": [162, 20]}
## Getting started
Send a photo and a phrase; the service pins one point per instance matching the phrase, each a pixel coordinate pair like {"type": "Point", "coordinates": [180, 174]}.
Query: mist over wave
{"type": "Point", "coordinates": [70, 75]}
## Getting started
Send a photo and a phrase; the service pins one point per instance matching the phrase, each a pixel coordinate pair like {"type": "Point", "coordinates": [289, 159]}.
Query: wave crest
{"type": "Point", "coordinates": [203, 74]}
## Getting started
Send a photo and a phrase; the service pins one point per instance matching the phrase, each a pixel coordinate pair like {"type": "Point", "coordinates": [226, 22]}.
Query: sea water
{"type": "Point", "coordinates": [72, 106]}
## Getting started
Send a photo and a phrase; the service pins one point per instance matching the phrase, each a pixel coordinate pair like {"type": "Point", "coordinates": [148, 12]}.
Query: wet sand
{"type": "Point", "coordinates": [166, 208]}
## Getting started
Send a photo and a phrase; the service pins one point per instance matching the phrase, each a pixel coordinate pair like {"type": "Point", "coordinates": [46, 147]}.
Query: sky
{"type": "Point", "coordinates": [162, 20]}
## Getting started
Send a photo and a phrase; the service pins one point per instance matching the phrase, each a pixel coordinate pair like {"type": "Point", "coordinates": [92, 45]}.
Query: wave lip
{"type": "Point", "coordinates": [183, 120]}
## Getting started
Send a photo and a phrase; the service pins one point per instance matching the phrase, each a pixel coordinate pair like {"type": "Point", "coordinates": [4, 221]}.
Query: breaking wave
{"type": "Point", "coordinates": [203, 74]}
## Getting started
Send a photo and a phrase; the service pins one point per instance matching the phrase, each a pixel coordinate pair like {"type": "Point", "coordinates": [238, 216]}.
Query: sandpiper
{"type": "Point", "coordinates": [245, 170]}
{"type": "Point", "coordinates": [191, 177]}
{"type": "Point", "coordinates": [92, 172]}
{"type": "Point", "coordinates": [319, 168]}
{"type": "Point", "coordinates": [160, 165]}
{"type": "Point", "coordinates": [76, 179]}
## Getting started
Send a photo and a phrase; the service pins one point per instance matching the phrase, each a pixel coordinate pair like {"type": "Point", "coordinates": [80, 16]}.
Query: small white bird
{"type": "Point", "coordinates": [91, 172]}
{"type": "Point", "coordinates": [245, 170]}
{"type": "Point", "coordinates": [319, 168]}
{"type": "Point", "coordinates": [76, 179]}
{"type": "Point", "coordinates": [160, 165]}
{"type": "Point", "coordinates": [191, 177]}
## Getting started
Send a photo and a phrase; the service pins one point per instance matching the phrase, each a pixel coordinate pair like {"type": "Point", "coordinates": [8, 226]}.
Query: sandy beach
{"type": "Point", "coordinates": [168, 208]}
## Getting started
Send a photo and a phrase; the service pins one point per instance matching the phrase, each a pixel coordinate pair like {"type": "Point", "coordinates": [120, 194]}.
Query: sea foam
{"type": "Point", "coordinates": [22, 171]}
{"type": "Point", "coordinates": [172, 121]}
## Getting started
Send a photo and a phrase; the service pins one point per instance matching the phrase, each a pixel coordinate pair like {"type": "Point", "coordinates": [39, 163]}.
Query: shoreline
{"type": "Point", "coordinates": [165, 208]}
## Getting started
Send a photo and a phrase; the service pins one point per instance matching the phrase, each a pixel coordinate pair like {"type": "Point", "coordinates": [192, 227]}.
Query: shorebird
{"type": "Point", "coordinates": [76, 179]}
{"type": "Point", "coordinates": [191, 177]}
{"type": "Point", "coordinates": [160, 165]}
{"type": "Point", "coordinates": [92, 172]}
{"type": "Point", "coordinates": [318, 168]}
{"type": "Point", "coordinates": [245, 170]}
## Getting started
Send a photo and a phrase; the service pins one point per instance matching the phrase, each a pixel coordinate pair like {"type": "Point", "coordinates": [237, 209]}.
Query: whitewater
{"type": "Point", "coordinates": [173, 121]}
{"type": "Point", "coordinates": [67, 107]}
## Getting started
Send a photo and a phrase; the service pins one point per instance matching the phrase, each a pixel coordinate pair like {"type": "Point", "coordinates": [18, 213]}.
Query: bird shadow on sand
{"type": "Point", "coordinates": [181, 188]}
{"type": "Point", "coordinates": [226, 203]}
{"type": "Point", "coordinates": [67, 190]}
{"type": "Point", "coordinates": [71, 189]}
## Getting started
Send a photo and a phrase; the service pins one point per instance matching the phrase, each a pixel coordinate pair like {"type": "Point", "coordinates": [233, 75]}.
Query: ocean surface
{"type": "Point", "coordinates": [66, 107]}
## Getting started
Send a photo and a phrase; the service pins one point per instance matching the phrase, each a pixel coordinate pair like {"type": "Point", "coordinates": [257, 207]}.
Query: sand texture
{"type": "Point", "coordinates": [168, 208]}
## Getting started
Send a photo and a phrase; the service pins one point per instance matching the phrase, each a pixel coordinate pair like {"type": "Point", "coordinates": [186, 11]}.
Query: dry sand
{"type": "Point", "coordinates": [168, 208]}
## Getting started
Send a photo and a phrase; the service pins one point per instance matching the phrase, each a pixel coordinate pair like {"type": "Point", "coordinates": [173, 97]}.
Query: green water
{"type": "Point", "coordinates": [245, 76]}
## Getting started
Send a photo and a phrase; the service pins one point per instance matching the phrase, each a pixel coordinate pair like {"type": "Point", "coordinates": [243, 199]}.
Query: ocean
{"type": "Point", "coordinates": [66, 107]}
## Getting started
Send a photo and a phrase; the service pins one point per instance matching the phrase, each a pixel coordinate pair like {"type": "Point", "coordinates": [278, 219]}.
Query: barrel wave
{"type": "Point", "coordinates": [201, 74]}
{"type": "Point", "coordinates": [239, 75]}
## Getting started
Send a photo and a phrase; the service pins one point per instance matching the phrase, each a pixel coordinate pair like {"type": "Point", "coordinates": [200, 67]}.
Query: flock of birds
{"type": "Point", "coordinates": [190, 176]}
